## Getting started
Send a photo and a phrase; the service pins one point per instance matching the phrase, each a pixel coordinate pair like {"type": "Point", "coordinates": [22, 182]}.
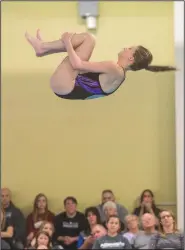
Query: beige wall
{"type": "Point", "coordinates": [124, 142]}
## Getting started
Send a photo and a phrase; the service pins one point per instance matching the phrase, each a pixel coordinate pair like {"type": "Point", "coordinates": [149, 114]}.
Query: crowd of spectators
{"type": "Point", "coordinates": [108, 225]}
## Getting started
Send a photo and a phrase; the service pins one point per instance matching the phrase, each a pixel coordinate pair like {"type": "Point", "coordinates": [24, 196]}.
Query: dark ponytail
{"type": "Point", "coordinates": [154, 68]}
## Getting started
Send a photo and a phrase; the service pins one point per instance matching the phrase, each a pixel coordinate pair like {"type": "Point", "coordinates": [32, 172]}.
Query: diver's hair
{"type": "Point", "coordinates": [142, 60]}
{"type": "Point", "coordinates": [154, 68]}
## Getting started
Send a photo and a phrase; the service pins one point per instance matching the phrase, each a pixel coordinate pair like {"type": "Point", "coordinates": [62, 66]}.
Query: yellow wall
{"type": "Point", "coordinates": [124, 142]}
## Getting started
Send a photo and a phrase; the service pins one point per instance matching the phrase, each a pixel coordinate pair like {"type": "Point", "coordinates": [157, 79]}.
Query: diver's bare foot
{"type": "Point", "coordinates": [36, 43]}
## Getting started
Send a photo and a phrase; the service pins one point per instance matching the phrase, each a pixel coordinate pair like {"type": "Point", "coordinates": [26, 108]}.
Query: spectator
{"type": "Point", "coordinates": [7, 231]}
{"type": "Point", "coordinates": [43, 239]}
{"type": "Point", "coordinates": [142, 239]}
{"type": "Point", "coordinates": [108, 195]}
{"type": "Point", "coordinates": [15, 217]}
{"type": "Point", "coordinates": [169, 236]}
{"type": "Point", "coordinates": [47, 227]}
{"type": "Point", "coordinates": [93, 217]}
{"type": "Point", "coordinates": [69, 224]}
{"type": "Point", "coordinates": [147, 205]}
{"type": "Point", "coordinates": [110, 209]}
{"type": "Point", "coordinates": [97, 232]}
{"type": "Point", "coordinates": [113, 239]}
{"type": "Point", "coordinates": [39, 214]}
{"type": "Point", "coordinates": [132, 227]}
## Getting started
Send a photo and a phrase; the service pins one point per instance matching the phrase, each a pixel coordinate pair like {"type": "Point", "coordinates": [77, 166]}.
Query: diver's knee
{"type": "Point", "coordinates": [54, 84]}
{"type": "Point", "coordinates": [91, 38]}
{"type": "Point", "coordinates": [60, 87]}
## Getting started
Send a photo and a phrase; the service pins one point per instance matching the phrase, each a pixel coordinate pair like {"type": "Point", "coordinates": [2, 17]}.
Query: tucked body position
{"type": "Point", "coordinates": [78, 78]}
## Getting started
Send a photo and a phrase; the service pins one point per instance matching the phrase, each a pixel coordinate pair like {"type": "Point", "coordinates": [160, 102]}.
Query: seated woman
{"type": "Point", "coordinates": [47, 227]}
{"type": "Point", "coordinates": [7, 231]}
{"type": "Point", "coordinates": [109, 209]}
{"type": "Point", "coordinates": [39, 214]}
{"type": "Point", "coordinates": [169, 236]}
{"type": "Point", "coordinates": [147, 205]}
{"type": "Point", "coordinates": [93, 218]}
{"type": "Point", "coordinates": [132, 224]}
{"type": "Point", "coordinates": [113, 239]}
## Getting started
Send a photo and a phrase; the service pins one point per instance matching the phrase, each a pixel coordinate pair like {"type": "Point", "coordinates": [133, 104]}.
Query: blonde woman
{"type": "Point", "coordinates": [169, 236]}
{"type": "Point", "coordinates": [132, 224]}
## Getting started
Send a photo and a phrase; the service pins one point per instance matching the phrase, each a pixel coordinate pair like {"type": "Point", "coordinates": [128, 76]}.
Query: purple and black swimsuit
{"type": "Point", "coordinates": [87, 86]}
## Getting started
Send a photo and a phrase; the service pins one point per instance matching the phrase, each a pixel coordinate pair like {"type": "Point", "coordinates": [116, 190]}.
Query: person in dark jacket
{"type": "Point", "coordinates": [69, 224]}
{"type": "Point", "coordinates": [7, 231]}
{"type": "Point", "coordinates": [16, 217]}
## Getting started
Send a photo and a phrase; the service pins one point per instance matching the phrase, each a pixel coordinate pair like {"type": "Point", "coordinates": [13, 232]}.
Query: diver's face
{"type": "Point", "coordinates": [127, 54]}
